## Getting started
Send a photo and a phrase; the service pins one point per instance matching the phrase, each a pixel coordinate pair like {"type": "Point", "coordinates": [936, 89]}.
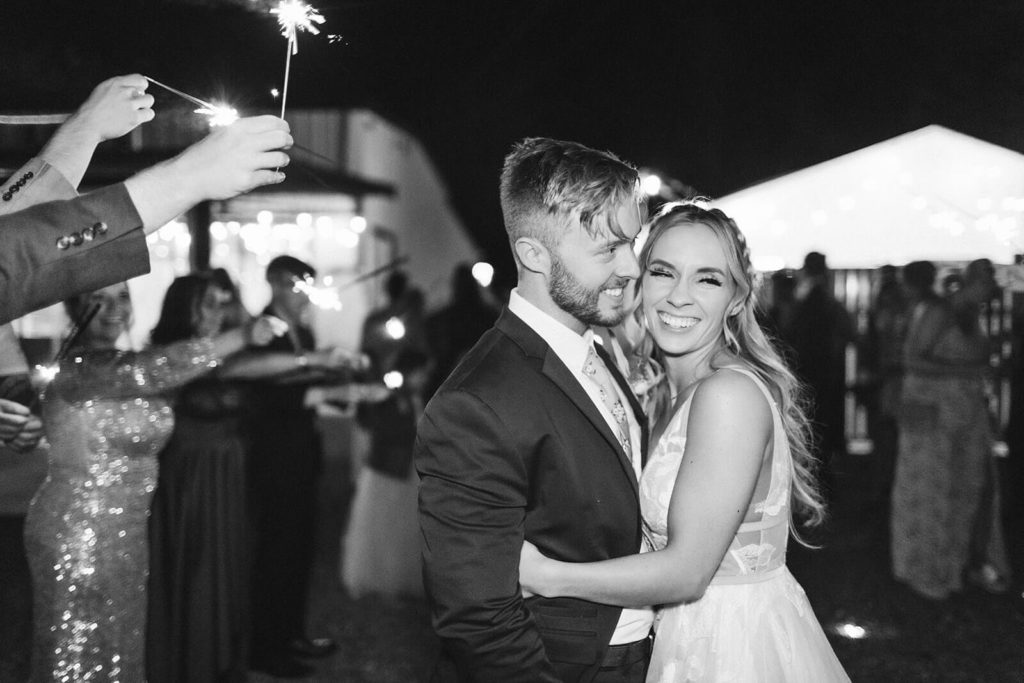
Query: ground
{"type": "Point", "coordinates": [973, 636]}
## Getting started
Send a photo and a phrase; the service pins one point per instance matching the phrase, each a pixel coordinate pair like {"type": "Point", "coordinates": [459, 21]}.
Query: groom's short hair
{"type": "Point", "coordinates": [544, 178]}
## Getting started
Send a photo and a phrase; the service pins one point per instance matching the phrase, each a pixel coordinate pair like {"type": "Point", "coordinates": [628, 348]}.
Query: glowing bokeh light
{"type": "Point", "coordinates": [852, 631]}
{"type": "Point", "coordinates": [393, 379]}
{"type": "Point", "coordinates": [650, 184]}
{"type": "Point", "coordinates": [483, 273]}
{"type": "Point", "coordinates": [395, 328]}
{"type": "Point", "coordinates": [357, 224]}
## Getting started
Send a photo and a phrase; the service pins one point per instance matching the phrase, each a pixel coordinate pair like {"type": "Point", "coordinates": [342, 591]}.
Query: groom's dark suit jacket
{"type": "Point", "coordinates": [512, 447]}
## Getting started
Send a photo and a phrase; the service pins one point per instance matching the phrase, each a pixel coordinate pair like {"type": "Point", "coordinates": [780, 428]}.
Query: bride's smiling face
{"type": "Point", "coordinates": [687, 291]}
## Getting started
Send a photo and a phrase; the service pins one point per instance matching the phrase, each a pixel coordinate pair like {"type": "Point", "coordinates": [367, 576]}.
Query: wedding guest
{"type": "Point", "coordinates": [881, 354]}
{"type": "Point", "coordinates": [397, 325]}
{"type": "Point", "coordinates": [284, 468]}
{"type": "Point", "coordinates": [231, 305]}
{"type": "Point", "coordinates": [201, 556]}
{"type": "Point", "coordinates": [452, 330]}
{"type": "Point", "coordinates": [945, 442]}
{"type": "Point", "coordinates": [106, 417]}
{"type": "Point", "coordinates": [68, 244]}
{"type": "Point", "coordinates": [730, 469]}
{"type": "Point", "coordinates": [384, 506]}
{"type": "Point", "coordinates": [818, 333]}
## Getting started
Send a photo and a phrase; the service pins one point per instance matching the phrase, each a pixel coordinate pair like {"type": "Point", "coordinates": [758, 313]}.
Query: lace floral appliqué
{"type": "Point", "coordinates": [755, 556]}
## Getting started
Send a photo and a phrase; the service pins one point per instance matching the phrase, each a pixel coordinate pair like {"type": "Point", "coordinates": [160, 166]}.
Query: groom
{"type": "Point", "coordinates": [536, 436]}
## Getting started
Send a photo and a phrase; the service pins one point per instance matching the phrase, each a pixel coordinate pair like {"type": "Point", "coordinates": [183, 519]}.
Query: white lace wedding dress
{"type": "Point", "coordinates": [754, 623]}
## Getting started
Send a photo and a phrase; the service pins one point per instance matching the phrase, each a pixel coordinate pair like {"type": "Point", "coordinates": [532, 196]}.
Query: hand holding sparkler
{"type": "Point", "coordinates": [29, 436]}
{"type": "Point", "coordinates": [116, 107]}
{"type": "Point", "coordinates": [14, 417]}
{"type": "Point", "coordinates": [265, 328]}
{"type": "Point", "coordinates": [227, 162]}
{"type": "Point", "coordinates": [238, 158]}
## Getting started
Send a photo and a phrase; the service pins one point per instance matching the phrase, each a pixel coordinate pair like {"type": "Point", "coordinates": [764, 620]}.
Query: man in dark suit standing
{"type": "Point", "coordinates": [285, 461]}
{"type": "Point", "coordinates": [521, 442]}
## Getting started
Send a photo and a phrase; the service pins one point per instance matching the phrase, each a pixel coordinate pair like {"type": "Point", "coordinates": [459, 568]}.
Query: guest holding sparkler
{"type": "Point", "coordinates": [200, 554]}
{"type": "Point", "coordinates": [78, 244]}
{"type": "Point", "coordinates": [85, 535]}
{"type": "Point", "coordinates": [285, 462]}
{"type": "Point", "coordinates": [113, 109]}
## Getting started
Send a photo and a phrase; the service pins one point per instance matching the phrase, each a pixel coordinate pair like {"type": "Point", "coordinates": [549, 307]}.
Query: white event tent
{"type": "Point", "coordinates": [930, 194]}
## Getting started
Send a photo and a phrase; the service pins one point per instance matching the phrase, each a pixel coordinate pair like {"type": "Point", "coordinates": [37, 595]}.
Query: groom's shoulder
{"type": "Point", "coordinates": [494, 366]}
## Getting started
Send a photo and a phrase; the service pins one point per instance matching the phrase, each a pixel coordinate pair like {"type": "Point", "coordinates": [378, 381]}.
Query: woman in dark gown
{"type": "Point", "coordinates": [106, 419]}
{"type": "Point", "coordinates": [199, 595]}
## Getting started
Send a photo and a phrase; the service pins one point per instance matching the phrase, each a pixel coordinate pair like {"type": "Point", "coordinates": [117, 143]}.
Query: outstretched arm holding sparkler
{"type": "Point", "coordinates": [64, 246]}
{"type": "Point", "coordinates": [116, 107]}
{"type": "Point", "coordinates": [229, 161]}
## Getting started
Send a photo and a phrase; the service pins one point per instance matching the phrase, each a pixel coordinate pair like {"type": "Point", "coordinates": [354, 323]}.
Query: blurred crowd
{"type": "Point", "coordinates": [924, 366]}
{"type": "Point", "coordinates": [185, 475]}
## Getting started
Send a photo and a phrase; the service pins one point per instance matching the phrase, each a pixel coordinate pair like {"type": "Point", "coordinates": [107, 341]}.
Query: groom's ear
{"type": "Point", "coordinates": [534, 256]}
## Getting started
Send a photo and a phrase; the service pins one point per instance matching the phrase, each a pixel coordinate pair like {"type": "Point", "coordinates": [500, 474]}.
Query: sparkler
{"type": "Point", "coordinates": [293, 16]}
{"type": "Point", "coordinates": [321, 297]}
{"type": "Point", "coordinates": [327, 297]}
{"type": "Point", "coordinates": [220, 115]}
{"type": "Point", "coordinates": [42, 375]}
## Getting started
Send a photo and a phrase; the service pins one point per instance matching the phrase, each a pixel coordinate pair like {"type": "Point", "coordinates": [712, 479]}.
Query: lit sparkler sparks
{"type": "Point", "coordinates": [42, 375]}
{"type": "Point", "coordinates": [293, 16]}
{"type": "Point", "coordinates": [325, 298]}
{"type": "Point", "coordinates": [220, 114]}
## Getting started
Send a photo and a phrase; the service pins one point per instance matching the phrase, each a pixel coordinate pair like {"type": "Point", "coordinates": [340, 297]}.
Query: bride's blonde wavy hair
{"type": "Point", "coordinates": [744, 339]}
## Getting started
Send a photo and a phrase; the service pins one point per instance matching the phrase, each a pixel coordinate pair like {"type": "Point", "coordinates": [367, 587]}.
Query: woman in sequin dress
{"type": "Point", "coordinates": [718, 491]}
{"type": "Point", "coordinates": [85, 533]}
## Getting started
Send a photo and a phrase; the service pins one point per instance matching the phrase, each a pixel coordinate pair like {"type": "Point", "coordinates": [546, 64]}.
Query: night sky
{"type": "Point", "coordinates": [717, 95]}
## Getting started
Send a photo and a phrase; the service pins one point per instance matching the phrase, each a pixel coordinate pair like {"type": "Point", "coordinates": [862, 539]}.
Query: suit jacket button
{"type": "Point", "coordinates": [76, 238]}
{"type": "Point", "coordinates": [88, 234]}
{"type": "Point", "coordinates": [7, 196]}
{"type": "Point", "coordinates": [63, 242]}
{"type": "Point", "coordinates": [30, 175]}
{"type": "Point", "coordinates": [100, 228]}
{"type": "Point", "coordinates": [14, 188]}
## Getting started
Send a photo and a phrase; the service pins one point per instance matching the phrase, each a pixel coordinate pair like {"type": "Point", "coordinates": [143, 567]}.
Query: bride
{"type": "Point", "coordinates": [730, 467]}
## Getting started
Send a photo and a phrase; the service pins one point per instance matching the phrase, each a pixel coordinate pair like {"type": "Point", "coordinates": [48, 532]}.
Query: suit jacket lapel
{"type": "Point", "coordinates": [555, 370]}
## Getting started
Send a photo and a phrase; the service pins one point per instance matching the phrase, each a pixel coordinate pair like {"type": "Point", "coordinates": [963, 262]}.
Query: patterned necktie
{"type": "Point", "coordinates": [597, 372]}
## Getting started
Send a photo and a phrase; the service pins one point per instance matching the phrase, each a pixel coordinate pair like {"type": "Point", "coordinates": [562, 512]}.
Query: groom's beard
{"type": "Point", "coordinates": [584, 304]}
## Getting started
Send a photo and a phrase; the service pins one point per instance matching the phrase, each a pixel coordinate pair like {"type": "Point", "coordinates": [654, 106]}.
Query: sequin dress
{"type": "Point", "coordinates": [85, 533]}
{"type": "Point", "coordinates": [754, 622]}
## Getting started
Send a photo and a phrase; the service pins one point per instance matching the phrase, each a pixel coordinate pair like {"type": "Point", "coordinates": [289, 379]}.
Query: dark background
{"type": "Point", "coordinates": [718, 95]}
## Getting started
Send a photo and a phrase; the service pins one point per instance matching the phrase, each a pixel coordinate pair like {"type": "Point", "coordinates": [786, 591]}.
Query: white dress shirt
{"type": "Point", "coordinates": [572, 348]}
